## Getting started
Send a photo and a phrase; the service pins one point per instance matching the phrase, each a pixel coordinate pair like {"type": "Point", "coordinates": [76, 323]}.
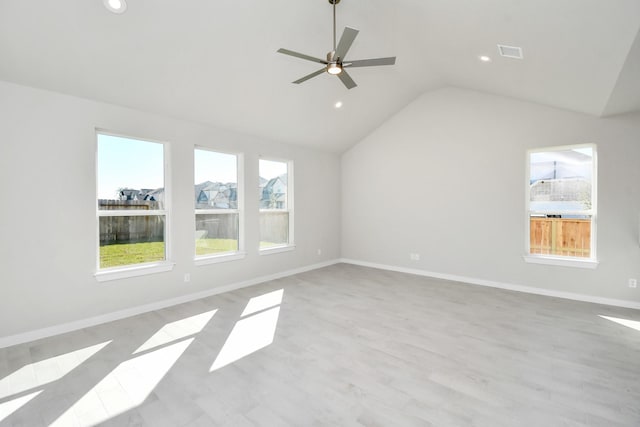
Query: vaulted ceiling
{"type": "Point", "coordinates": [215, 62]}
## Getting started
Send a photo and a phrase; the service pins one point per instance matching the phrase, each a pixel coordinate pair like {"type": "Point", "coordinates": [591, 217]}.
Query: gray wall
{"type": "Point", "coordinates": [47, 178]}
{"type": "Point", "coordinates": [445, 178]}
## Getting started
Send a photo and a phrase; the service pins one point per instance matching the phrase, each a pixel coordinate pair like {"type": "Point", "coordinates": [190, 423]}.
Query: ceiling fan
{"type": "Point", "coordinates": [336, 63]}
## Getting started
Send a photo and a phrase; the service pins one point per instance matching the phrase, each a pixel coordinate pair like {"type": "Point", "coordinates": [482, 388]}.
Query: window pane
{"type": "Point", "coordinates": [216, 180]}
{"type": "Point", "coordinates": [274, 229]}
{"type": "Point", "coordinates": [216, 233]}
{"type": "Point", "coordinates": [273, 185]}
{"type": "Point", "coordinates": [560, 236]}
{"type": "Point", "coordinates": [126, 240]}
{"type": "Point", "coordinates": [561, 181]}
{"type": "Point", "coordinates": [130, 170]}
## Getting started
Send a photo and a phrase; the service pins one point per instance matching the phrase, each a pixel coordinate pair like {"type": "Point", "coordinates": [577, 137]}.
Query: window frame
{"type": "Point", "coordinates": [240, 253]}
{"type": "Point", "coordinates": [140, 269]}
{"type": "Point", "coordinates": [290, 245]}
{"type": "Point", "coordinates": [563, 260]}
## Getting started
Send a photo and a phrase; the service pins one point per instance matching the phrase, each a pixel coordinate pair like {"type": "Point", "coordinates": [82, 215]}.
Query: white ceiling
{"type": "Point", "coordinates": [215, 61]}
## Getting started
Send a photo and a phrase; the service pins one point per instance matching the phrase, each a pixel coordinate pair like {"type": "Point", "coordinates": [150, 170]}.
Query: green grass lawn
{"type": "Point", "coordinates": [138, 253]}
{"type": "Point", "coordinates": [214, 246]}
{"type": "Point", "coordinates": [130, 253]}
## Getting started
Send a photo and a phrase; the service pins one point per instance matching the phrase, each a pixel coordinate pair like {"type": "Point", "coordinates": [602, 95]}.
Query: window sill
{"type": "Point", "coordinates": [138, 270]}
{"type": "Point", "coordinates": [277, 249]}
{"type": "Point", "coordinates": [215, 259]}
{"type": "Point", "coordinates": [562, 261]}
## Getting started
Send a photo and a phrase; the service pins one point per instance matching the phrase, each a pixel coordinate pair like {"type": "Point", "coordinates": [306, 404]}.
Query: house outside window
{"type": "Point", "coordinates": [276, 204]}
{"type": "Point", "coordinates": [561, 205]}
{"type": "Point", "coordinates": [132, 205]}
{"type": "Point", "coordinates": [218, 203]}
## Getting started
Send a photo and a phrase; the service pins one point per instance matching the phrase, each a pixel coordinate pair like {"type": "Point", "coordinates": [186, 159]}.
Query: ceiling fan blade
{"type": "Point", "coordinates": [302, 56]}
{"type": "Point", "coordinates": [310, 76]}
{"type": "Point", "coordinates": [348, 36]}
{"type": "Point", "coordinates": [370, 62]}
{"type": "Point", "coordinates": [347, 80]}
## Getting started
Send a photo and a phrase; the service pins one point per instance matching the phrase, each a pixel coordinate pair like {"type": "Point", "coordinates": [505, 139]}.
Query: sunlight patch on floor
{"type": "Point", "coordinates": [177, 330]}
{"type": "Point", "coordinates": [10, 406]}
{"type": "Point", "coordinates": [263, 302]}
{"type": "Point", "coordinates": [45, 371]}
{"type": "Point", "coordinates": [124, 388]}
{"type": "Point", "coordinates": [248, 336]}
{"type": "Point", "coordinates": [633, 324]}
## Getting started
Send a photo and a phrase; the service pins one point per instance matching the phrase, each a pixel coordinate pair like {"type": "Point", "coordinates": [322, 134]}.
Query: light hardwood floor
{"type": "Point", "coordinates": [344, 346]}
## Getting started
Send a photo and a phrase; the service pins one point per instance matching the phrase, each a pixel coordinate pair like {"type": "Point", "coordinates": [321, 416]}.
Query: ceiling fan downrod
{"type": "Point", "coordinates": [334, 3]}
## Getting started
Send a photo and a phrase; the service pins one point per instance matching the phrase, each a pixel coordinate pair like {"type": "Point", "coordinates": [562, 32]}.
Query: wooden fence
{"type": "Point", "coordinates": [130, 229]}
{"type": "Point", "coordinates": [274, 227]}
{"type": "Point", "coordinates": [560, 236]}
{"type": "Point", "coordinates": [217, 226]}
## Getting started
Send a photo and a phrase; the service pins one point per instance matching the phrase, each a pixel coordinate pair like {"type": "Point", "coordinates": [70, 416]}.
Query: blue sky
{"type": "Point", "coordinates": [214, 166]}
{"type": "Point", "coordinates": [132, 163]}
{"type": "Point", "coordinates": [271, 169]}
{"type": "Point", "coordinates": [577, 162]}
{"type": "Point", "coordinates": [128, 163]}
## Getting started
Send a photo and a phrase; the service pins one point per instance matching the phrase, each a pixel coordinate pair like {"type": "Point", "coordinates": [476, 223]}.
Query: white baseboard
{"type": "Point", "coordinates": [134, 311]}
{"type": "Point", "coordinates": [492, 284]}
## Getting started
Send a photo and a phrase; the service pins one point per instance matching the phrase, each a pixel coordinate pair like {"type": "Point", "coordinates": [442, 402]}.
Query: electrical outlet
{"type": "Point", "coordinates": [633, 283]}
{"type": "Point", "coordinates": [414, 257]}
{"type": "Point", "coordinates": [187, 277]}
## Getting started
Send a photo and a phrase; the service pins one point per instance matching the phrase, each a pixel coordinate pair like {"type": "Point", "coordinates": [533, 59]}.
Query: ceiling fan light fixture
{"type": "Point", "coordinates": [334, 68]}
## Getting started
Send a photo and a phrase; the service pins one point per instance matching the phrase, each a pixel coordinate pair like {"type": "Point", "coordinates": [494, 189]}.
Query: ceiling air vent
{"type": "Point", "coordinates": [510, 51]}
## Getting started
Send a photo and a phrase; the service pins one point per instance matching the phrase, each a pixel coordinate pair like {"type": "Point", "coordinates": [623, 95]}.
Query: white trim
{"type": "Point", "coordinates": [277, 249]}
{"type": "Point", "coordinates": [561, 261]}
{"type": "Point", "coordinates": [500, 285]}
{"type": "Point", "coordinates": [134, 311]}
{"type": "Point", "coordinates": [215, 259]}
{"type": "Point", "coordinates": [105, 275]}
{"type": "Point", "coordinates": [168, 201]}
{"type": "Point", "coordinates": [291, 186]}
{"type": "Point", "coordinates": [561, 212]}
{"type": "Point", "coordinates": [141, 269]}
{"type": "Point", "coordinates": [289, 204]}
{"type": "Point", "coordinates": [590, 212]}
{"type": "Point", "coordinates": [132, 212]}
{"type": "Point", "coordinates": [239, 196]}
{"type": "Point", "coordinates": [199, 211]}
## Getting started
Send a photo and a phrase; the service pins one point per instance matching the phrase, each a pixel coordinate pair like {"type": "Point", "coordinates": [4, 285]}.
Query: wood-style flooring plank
{"type": "Point", "coordinates": [351, 346]}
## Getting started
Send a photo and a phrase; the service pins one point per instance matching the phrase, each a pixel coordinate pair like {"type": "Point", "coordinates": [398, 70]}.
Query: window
{"type": "Point", "coordinates": [276, 204]}
{"type": "Point", "coordinates": [561, 205]}
{"type": "Point", "coordinates": [217, 203]}
{"type": "Point", "coordinates": [131, 202]}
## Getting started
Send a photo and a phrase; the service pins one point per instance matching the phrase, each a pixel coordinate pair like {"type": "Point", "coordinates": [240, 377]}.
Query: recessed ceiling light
{"type": "Point", "coordinates": [484, 58]}
{"type": "Point", "coordinates": [115, 6]}
{"type": "Point", "coordinates": [338, 104]}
